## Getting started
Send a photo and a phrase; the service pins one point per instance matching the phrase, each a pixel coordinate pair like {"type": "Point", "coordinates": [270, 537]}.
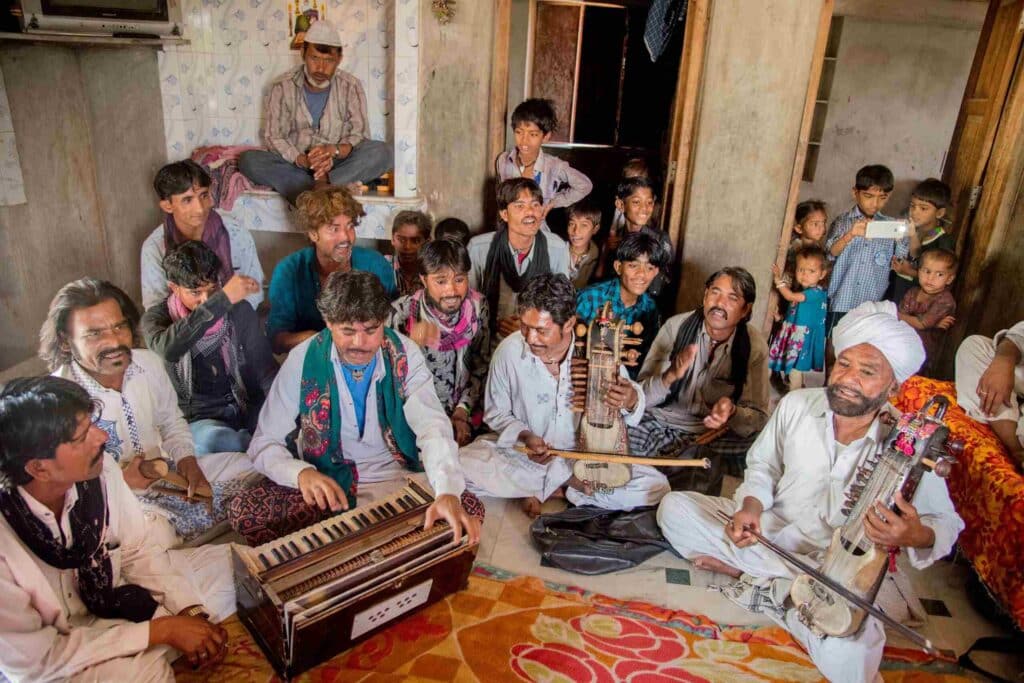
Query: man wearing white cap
{"type": "Point", "coordinates": [315, 124]}
{"type": "Point", "coordinates": [793, 489]}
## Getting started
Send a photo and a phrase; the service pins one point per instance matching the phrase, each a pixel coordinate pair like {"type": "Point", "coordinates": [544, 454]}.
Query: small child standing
{"type": "Point", "coordinates": [584, 222]}
{"type": "Point", "coordinates": [636, 198]}
{"type": "Point", "coordinates": [929, 308]}
{"type": "Point", "coordinates": [860, 271]}
{"type": "Point", "coordinates": [633, 168]}
{"type": "Point", "coordinates": [799, 345]}
{"type": "Point", "coordinates": [533, 122]}
{"type": "Point", "coordinates": [928, 204]}
{"type": "Point", "coordinates": [809, 229]}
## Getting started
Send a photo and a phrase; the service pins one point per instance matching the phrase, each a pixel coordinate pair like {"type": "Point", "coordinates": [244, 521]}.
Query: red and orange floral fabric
{"type": "Point", "coordinates": [987, 489]}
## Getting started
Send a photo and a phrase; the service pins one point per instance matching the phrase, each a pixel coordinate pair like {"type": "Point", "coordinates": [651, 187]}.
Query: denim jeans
{"type": "Point", "coordinates": [368, 160]}
{"type": "Point", "coordinates": [214, 436]}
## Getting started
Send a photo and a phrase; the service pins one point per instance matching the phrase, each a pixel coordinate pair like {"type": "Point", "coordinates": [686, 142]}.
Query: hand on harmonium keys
{"type": "Point", "coordinates": [449, 508]}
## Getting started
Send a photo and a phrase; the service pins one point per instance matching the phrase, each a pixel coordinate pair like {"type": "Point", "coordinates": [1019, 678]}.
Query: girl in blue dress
{"type": "Point", "coordinates": [799, 345]}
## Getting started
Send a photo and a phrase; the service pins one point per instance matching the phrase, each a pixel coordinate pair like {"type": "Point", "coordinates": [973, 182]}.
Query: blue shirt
{"type": "Point", "coordinates": [295, 286]}
{"type": "Point", "coordinates": [861, 272]}
{"type": "Point", "coordinates": [316, 101]}
{"type": "Point", "coordinates": [591, 299]}
{"type": "Point", "coordinates": [359, 387]}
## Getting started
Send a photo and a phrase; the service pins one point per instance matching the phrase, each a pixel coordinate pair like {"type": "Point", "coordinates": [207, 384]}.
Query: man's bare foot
{"type": "Point", "coordinates": [531, 506]}
{"type": "Point", "coordinates": [713, 564]}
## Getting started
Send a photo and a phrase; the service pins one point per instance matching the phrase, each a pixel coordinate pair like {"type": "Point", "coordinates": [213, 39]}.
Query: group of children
{"type": "Point", "coordinates": [830, 273]}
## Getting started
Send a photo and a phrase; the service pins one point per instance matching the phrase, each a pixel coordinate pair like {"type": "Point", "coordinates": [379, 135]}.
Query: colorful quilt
{"type": "Point", "coordinates": [987, 489]}
{"type": "Point", "coordinates": [520, 628]}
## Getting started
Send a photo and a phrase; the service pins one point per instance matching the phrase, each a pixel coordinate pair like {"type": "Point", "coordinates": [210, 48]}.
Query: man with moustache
{"type": "Point", "coordinates": [88, 337]}
{"type": "Point", "coordinates": [505, 260]}
{"type": "Point", "coordinates": [353, 404]}
{"type": "Point", "coordinates": [706, 369]}
{"type": "Point", "coordinates": [88, 595]}
{"type": "Point", "coordinates": [315, 127]}
{"type": "Point", "coordinates": [794, 487]}
{"type": "Point", "coordinates": [329, 216]}
{"type": "Point", "coordinates": [529, 400]}
{"type": "Point", "coordinates": [450, 322]}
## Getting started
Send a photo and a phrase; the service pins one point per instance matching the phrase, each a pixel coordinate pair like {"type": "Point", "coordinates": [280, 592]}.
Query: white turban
{"type": "Point", "coordinates": [877, 324]}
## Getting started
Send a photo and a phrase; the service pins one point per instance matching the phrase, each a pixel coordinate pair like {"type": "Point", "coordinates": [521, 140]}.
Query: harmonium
{"type": "Point", "coordinates": [307, 596]}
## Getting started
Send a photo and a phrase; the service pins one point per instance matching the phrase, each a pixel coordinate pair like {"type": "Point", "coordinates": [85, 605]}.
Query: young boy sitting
{"type": "Point", "coordinates": [861, 270]}
{"type": "Point", "coordinates": [584, 222]}
{"type": "Point", "coordinates": [636, 198]}
{"type": "Point", "coordinates": [929, 308]}
{"type": "Point", "coordinates": [409, 231]}
{"type": "Point", "coordinates": [928, 204]}
{"type": "Point", "coordinates": [533, 122]}
{"type": "Point", "coordinates": [639, 260]}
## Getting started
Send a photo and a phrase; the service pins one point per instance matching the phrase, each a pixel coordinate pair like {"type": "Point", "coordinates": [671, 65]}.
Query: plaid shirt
{"type": "Point", "coordinates": [861, 272]}
{"type": "Point", "coordinates": [590, 300]}
{"type": "Point", "coordinates": [288, 128]}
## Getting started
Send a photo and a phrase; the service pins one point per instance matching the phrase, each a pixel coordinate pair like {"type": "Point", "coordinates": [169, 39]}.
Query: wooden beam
{"type": "Point", "coordinates": [800, 157]}
{"type": "Point", "coordinates": [684, 121]}
{"type": "Point", "coordinates": [498, 108]}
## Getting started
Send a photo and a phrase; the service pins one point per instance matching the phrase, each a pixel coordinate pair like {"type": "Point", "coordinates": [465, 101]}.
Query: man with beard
{"type": "Point", "coordinates": [529, 399]}
{"type": "Point", "coordinates": [793, 490]}
{"type": "Point", "coordinates": [354, 404]}
{"type": "Point", "coordinates": [88, 338]}
{"type": "Point", "coordinates": [329, 217]}
{"type": "Point", "coordinates": [315, 124]}
{"type": "Point", "coordinates": [449, 321]}
{"type": "Point", "coordinates": [706, 369]}
{"type": "Point", "coordinates": [88, 595]}
{"type": "Point", "coordinates": [505, 260]}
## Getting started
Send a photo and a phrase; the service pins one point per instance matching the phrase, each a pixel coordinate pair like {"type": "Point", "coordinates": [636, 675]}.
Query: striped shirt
{"type": "Point", "coordinates": [289, 128]}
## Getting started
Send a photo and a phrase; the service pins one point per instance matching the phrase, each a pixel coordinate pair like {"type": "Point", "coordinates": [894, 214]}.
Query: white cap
{"type": "Point", "coordinates": [323, 32]}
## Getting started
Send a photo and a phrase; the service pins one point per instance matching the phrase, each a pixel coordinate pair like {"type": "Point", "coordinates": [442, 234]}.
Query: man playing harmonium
{"type": "Point", "coordinates": [798, 470]}
{"type": "Point", "coordinates": [353, 404]}
{"type": "Point", "coordinates": [528, 399]}
{"type": "Point", "coordinates": [88, 593]}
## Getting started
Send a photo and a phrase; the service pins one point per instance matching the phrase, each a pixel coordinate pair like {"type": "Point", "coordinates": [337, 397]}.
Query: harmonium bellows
{"type": "Point", "coordinates": [307, 596]}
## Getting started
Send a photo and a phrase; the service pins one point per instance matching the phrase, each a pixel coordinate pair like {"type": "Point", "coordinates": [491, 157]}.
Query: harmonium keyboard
{"type": "Point", "coordinates": [307, 596]}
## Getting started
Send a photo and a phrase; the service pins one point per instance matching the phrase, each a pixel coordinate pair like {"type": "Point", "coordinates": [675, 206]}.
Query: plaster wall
{"type": "Point", "coordinates": [89, 135]}
{"type": "Point", "coordinates": [455, 73]}
{"type": "Point", "coordinates": [748, 125]}
{"type": "Point", "coordinates": [894, 101]}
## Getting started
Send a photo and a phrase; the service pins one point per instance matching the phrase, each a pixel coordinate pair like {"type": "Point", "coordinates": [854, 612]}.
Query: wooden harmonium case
{"type": "Point", "coordinates": [307, 596]}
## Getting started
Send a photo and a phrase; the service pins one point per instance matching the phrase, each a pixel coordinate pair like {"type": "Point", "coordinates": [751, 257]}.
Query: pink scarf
{"type": "Point", "coordinates": [215, 236]}
{"type": "Point", "coordinates": [179, 312]}
{"type": "Point", "coordinates": [460, 334]}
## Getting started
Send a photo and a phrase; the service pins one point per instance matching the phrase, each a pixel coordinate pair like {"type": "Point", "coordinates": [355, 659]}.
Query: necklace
{"type": "Point", "coordinates": [357, 372]}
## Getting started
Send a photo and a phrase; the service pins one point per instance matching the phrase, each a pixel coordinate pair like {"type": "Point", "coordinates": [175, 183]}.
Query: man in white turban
{"type": "Point", "coordinates": [794, 487]}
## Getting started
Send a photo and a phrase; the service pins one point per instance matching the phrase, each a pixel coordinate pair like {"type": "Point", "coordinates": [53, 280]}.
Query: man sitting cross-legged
{"type": "Point", "coordinates": [353, 404]}
{"type": "Point", "coordinates": [797, 472]}
{"type": "Point", "coordinates": [88, 595]}
{"type": "Point", "coordinates": [529, 399]}
{"type": "Point", "coordinates": [706, 369]}
{"type": "Point", "coordinates": [217, 357]}
{"type": "Point", "coordinates": [450, 322]}
{"type": "Point", "coordinates": [87, 338]}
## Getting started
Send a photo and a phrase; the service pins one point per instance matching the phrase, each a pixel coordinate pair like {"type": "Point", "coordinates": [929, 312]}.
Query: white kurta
{"type": "Point", "coordinates": [521, 395]}
{"type": "Point", "coordinates": [799, 473]}
{"type": "Point", "coordinates": [46, 631]}
{"type": "Point", "coordinates": [374, 461]}
{"type": "Point", "coordinates": [973, 357]}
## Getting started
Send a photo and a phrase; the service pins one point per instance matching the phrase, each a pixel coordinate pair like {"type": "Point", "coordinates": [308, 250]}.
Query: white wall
{"type": "Point", "coordinates": [213, 88]}
{"type": "Point", "coordinates": [894, 101]}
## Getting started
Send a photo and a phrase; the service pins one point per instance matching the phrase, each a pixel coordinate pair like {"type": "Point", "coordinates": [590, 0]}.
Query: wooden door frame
{"type": "Point", "coordinates": [800, 156]}
{"type": "Point", "coordinates": [684, 108]}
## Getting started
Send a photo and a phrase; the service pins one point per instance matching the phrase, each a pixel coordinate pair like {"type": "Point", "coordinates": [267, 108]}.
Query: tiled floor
{"type": "Point", "coordinates": [675, 583]}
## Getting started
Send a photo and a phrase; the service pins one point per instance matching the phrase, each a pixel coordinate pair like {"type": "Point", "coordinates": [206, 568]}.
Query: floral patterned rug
{"type": "Point", "coordinates": [519, 628]}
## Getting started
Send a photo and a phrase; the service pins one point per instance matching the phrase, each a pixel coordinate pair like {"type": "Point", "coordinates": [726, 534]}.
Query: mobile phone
{"type": "Point", "coordinates": [888, 230]}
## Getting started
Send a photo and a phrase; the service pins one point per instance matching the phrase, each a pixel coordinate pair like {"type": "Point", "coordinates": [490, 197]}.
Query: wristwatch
{"type": "Point", "coordinates": [195, 611]}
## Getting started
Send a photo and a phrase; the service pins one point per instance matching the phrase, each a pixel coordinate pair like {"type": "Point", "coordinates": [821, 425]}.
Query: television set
{"type": "Point", "coordinates": [102, 17]}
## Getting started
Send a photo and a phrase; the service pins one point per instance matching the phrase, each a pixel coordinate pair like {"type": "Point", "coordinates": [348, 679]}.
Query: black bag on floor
{"type": "Point", "coordinates": [591, 540]}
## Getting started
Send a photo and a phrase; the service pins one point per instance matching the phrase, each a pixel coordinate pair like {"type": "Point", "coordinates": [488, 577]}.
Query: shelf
{"type": "Point", "coordinates": [95, 41]}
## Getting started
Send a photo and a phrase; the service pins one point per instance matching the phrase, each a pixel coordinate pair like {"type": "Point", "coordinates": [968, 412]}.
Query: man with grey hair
{"type": "Point", "coordinates": [316, 128]}
{"type": "Point", "coordinates": [797, 473]}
